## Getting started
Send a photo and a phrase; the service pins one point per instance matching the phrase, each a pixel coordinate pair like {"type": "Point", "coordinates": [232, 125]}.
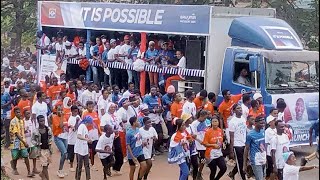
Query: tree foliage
{"type": "Point", "coordinates": [19, 18]}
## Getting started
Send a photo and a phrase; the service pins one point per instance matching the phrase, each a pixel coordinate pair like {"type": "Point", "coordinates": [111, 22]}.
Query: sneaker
{"type": "Point", "coordinates": [125, 159]}
{"type": "Point", "coordinates": [93, 168]}
{"type": "Point", "coordinates": [72, 169]}
{"type": "Point", "coordinates": [303, 161]}
{"type": "Point", "coordinates": [30, 174]}
{"type": "Point", "coordinates": [60, 174]}
{"type": "Point", "coordinates": [35, 171]}
{"type": "Point", "coordinates": [199, 176]}
{"type": "Point", "coordinates": [152, 159]}
{"type": "Point", "coordinates": [157, 152]}
{"type": "Point", "coordinates": [230, 176]}
{"type": "Point", "coordinates": [108, 172]}
{"type": "Point", "coordinates": [117, 173]}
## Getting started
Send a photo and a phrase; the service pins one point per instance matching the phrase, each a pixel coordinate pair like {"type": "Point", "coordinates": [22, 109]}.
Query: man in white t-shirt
{"type": "Point", "coordinates": [189, 106]}
{"type": "Point", "coordinates": [104, 150]}
{"type": "Point", "coordinates": [279, 145]}
{"type": "Point", "coordinates": [81, 147]}
{"type": "Point", "coordinates": [43, 42]}
{"type": "Point", "coordinates": [112, 54]}
{"type": "Point", "coordinates": [291, 170]}
{"type": "Point", "coordinates": [40, 107]}
{"type": "Point", "coordinates": [87, 95]}
{"type": "Point", "coordinates": [70, 51]}
{"type": "Point", "coordinates": [123, 53]}
{"type": "Point", "coordinates": [237, 131]}
{"type": "Point", "coordinates": [246, 102]}
{"type": "Point", "coordinates": [73, 122]}
{"type": "Point", "coordinates": [181, 64]}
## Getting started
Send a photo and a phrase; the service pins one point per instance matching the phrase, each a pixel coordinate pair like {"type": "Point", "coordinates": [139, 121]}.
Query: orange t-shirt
{"type": "Point", "coordinates": [96, 120]}
{"type": "Point", "coordinates": [24, 105]}
{"type": "Point", "coordinates": [198, 102]}
{"type": "Point", "coordinates": [212, 136]}
{"type": "Point", "coordinates": [226, 107]}
{"type": "Point", "coordinates": [254, 114]}
{"type": "Point", "coordinates": [67, 112]}
{"type": "Point", "coordinates": [72, 96]}
{"type": "Point", "coordinates": [209, 107]}
{"type": "Point", "coordinates": [176, 109]}
{"type": "Point", "coordinates": [56, 130]}
{"type": "Point", "coordinates": [261, 110]}
{"type": "Point", "coordinates": [43, 86]}
{"type": "Point", "coordinates": [54, 92]}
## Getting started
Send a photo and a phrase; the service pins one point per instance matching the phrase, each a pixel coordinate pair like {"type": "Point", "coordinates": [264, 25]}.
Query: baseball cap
{"type": "Point", "coordinates": [185, 116]}
{"type": "Point", "coordinates": [171, 89]}
{"type": "Point", "coordinates": [68, 43]}
{"type": "Point", "coordinates": [257, 96]}
{"type": "Point", "coordinates": [126, 37]}
{"type": "Point", "coordinates": [112, 41]}
{"type": "Point", "coordinates": [270, 118]}
{"type": "Point", "coordinates": [286, 155]}
{"type": "Point", "coordinates": [151, 43]}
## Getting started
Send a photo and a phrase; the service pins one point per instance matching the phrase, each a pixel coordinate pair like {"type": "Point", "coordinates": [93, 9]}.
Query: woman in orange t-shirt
{"type": "Point", "coordinates": [213, 140]}
{"type": "Point", "coordinates": [67, 103]}
{"type": "Point", "coordinates": [60, 133]}
{"type": "Point", "coordinates": [176, 106]}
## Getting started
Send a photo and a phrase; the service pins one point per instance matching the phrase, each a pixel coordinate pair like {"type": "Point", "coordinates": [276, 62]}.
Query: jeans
{"type": "Point", "coordinates": [70, 153]}
{"type": "Point", "coordinates": [269, 166]}
{"type": "Point", "coordinates": [184, 171]}
{"type": "Point", "coordinates": [94, 71]}
{"type": "Point", "coordinates": [62, 145]}
{"type": "Point", "coordinates": [80, 161]}
{"type": "Point", "coordinates": [219, 162]}
{"type": "Point", "coordinates": [130, 78]}
{"type": "Point", "coordinates": [136, 78]}
{"type": "Point", "coordinates": [7, 126]}
{"type": "Point", "coordinates": [239, 157]}
{"type": "Point", "coordinates": [117, 154]}
{"type": "Point", "coordinates": [258, 171]}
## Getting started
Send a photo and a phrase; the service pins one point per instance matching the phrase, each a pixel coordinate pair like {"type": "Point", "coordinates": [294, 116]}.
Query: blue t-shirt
{"type": "Point", "coordinates": [150, 54]}
{"type": "Point", "coordinates": [257, 147]}
{"type": "Point", "coordinates": [166, 100]}
{"type": "Point", "coordinates": [5, 98]}
{"type": "Point", "coordinates": [134, 140]}
{"type": "Point", "coordinates": [151, 101]}
{"type": "Point", "coordinates": [134, 53]}
{"type": "Point", "coordinates": [105, 55]}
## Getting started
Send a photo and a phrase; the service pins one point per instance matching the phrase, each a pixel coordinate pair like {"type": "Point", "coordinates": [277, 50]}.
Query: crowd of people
{"type": "Point", "coordinates": [113, 122]}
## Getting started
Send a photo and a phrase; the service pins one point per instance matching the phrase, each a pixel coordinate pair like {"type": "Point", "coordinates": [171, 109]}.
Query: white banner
{"type": "Point", "coordinates": [50, 67]}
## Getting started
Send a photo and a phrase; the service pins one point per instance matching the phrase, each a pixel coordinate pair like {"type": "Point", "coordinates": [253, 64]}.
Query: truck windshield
{"type": "Point", "coordinates": [292, 75]}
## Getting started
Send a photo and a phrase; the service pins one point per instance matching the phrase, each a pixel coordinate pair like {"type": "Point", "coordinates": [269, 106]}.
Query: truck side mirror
{"type": "Point", "coordinates": [253, 63]}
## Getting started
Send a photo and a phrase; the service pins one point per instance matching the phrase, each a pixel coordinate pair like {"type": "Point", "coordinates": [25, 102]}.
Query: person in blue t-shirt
{"type": "Point", "coordinates": [314, 128]}
{"type": "Point", "coordinates": [5, 109]}
{"type": "Point", "coordinates": [134, 149]}
{"type": "Point", "coordinates": [152, 57]}
{"type": "Point", "coordinates": [255, 144]}
{"type": "Point", "coordinates": [133, 54]}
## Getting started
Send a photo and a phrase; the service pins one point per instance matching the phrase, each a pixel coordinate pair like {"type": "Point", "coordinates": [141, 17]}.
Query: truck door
{"type": "Point", "coordinates": [236, 75]}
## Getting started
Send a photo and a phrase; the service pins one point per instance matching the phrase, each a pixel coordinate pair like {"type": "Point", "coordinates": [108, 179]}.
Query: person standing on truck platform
{"type": "Point", "coordinates": [258, 97]}
{"type": "Point", "coordinates": [226, 105]}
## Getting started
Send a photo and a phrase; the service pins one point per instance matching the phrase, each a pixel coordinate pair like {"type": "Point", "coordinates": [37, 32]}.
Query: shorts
{"type": "Point", "coordinates": [45, 157]}
{"type": "Point", "coordinates": [19, 153]}
{"type": "Point", "coordinates": [139, 158]}
{"type": "Point", "coordinates": [201, 154]}
{"type": "Point", "coordinates": [33, 152]}
{"type": "Point", "coordinates": [158, 128]}
{"type": "Point", "coordinates": [108, 161]}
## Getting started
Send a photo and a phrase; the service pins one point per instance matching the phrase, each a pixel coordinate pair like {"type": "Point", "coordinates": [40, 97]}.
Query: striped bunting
{"type": "Point", "coordinates": [148, 68]}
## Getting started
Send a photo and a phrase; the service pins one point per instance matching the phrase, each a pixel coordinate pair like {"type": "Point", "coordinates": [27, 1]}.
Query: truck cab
{"type": "Point", "coordinates": [268, 56]}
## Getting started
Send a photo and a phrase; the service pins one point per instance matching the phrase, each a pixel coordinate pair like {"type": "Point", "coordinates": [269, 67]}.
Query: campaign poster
{"type": "Point", "coordinates": [301, 112]}
{"type": "Point", "coordinates": [50, 67]}
{"type": "Point", "coordinates": [282, 38]}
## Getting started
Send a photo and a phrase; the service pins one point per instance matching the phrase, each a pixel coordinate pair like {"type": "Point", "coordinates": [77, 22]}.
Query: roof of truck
{"type": "Point", "coordinates": [265, 32]}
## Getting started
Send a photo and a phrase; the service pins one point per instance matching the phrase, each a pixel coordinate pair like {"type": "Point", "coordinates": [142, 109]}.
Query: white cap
{"type": "Point", "coordinates": [270, 118]}
{"type": "Point", "coordinates": [68, 43]}
{"type": "Point", "coordinates": [112, 41]}
{"type": "Point", "coordinates": [63, 82]}
{"type": "Point", "coordinates": [151, 43]}
{"type": "Point", "coordinates": [257, 96]}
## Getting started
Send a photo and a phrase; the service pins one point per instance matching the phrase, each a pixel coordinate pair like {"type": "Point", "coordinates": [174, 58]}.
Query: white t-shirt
{"type": "Point", "coordinates": [291, 172]}
{"type": "Point", "coordinates": [238, 126]}
{"type": "Point", "coordinates": [86, 96]}
{"type": "Point", "coordinates": [29, 127]}
{"type": "Point", "coordinates": [83, 51]}
{"type": "Point", "coordinates": [269, 134]}
{"type": "Point", "coordinates": [111, 54]}
{"type": "Point", "coordinates": [132, 111]}
{"type": "Point", "coordinates": [81, 146]}
{"type": "Point", "coordinates": [189, 108]}
{"type": "Point", "coordinates": [112, 120]}
{"type": "Point", "coordinates": [182, 62]}
{"type": "Point", "coordinates": [40, 109]}
{"type": "Point", "coordinates": [147, 137]}
{"type": "Point", "coordinates": [245, 111]}
{"type": "Point", "coordinates": [105, 143]}
{"type": "Point", "coordinates": [199, 132]}
{"type": "Point", "coordinates": [124, 51]}
{"type": "Point", "coordinates": [280, 143]}
{"type": "Point", "coordinates": [71, 52]}
{"type": "Point", "coordinates": [102, 104]}
{"type": "Point", "coordinates": [72, 134]}
{"type": "Point", "coordinates": [59, 47]}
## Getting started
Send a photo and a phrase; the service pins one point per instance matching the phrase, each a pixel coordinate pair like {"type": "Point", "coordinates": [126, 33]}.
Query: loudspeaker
{"type": "Point", "coordinates": [193, 54]}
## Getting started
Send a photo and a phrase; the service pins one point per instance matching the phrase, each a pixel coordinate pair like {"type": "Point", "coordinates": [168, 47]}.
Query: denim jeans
{"type": "Point", "coordinates": [62, 145]}
{"type": "Point", "coordinates": [130, 78]}
{"type": "Point", "coordinates": [184, 171]}
{"type": "Point", "coordinates": [258, 171]}
{"type": "Point", "coordinates": [94, 71]}
{"type": "Point", "coordinates": [136, 78]}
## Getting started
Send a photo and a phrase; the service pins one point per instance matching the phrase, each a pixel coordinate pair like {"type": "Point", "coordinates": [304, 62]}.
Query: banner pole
{"type": "Point", "coordinates": [143, 48]}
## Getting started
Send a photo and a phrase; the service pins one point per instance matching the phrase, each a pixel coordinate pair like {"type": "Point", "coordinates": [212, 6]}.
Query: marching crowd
{"type": "Point", "coordinates": [119, 125]}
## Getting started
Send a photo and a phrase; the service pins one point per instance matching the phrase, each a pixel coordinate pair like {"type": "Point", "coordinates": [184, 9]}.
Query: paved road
{"type": "Point", "coordinates": [160, 171]}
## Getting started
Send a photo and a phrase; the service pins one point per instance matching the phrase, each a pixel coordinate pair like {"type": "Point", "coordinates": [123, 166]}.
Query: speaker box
{"type": "Point", "coordinates": [193, 54]}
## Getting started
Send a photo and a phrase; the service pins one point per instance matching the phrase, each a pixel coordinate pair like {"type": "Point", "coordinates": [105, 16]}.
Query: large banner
{"type": "Point", "coordinates": [301, 112]}
{"type": "Point", "coordinates": [50, 67]}
{"type": "Point", "coordinates": [175, 19]}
